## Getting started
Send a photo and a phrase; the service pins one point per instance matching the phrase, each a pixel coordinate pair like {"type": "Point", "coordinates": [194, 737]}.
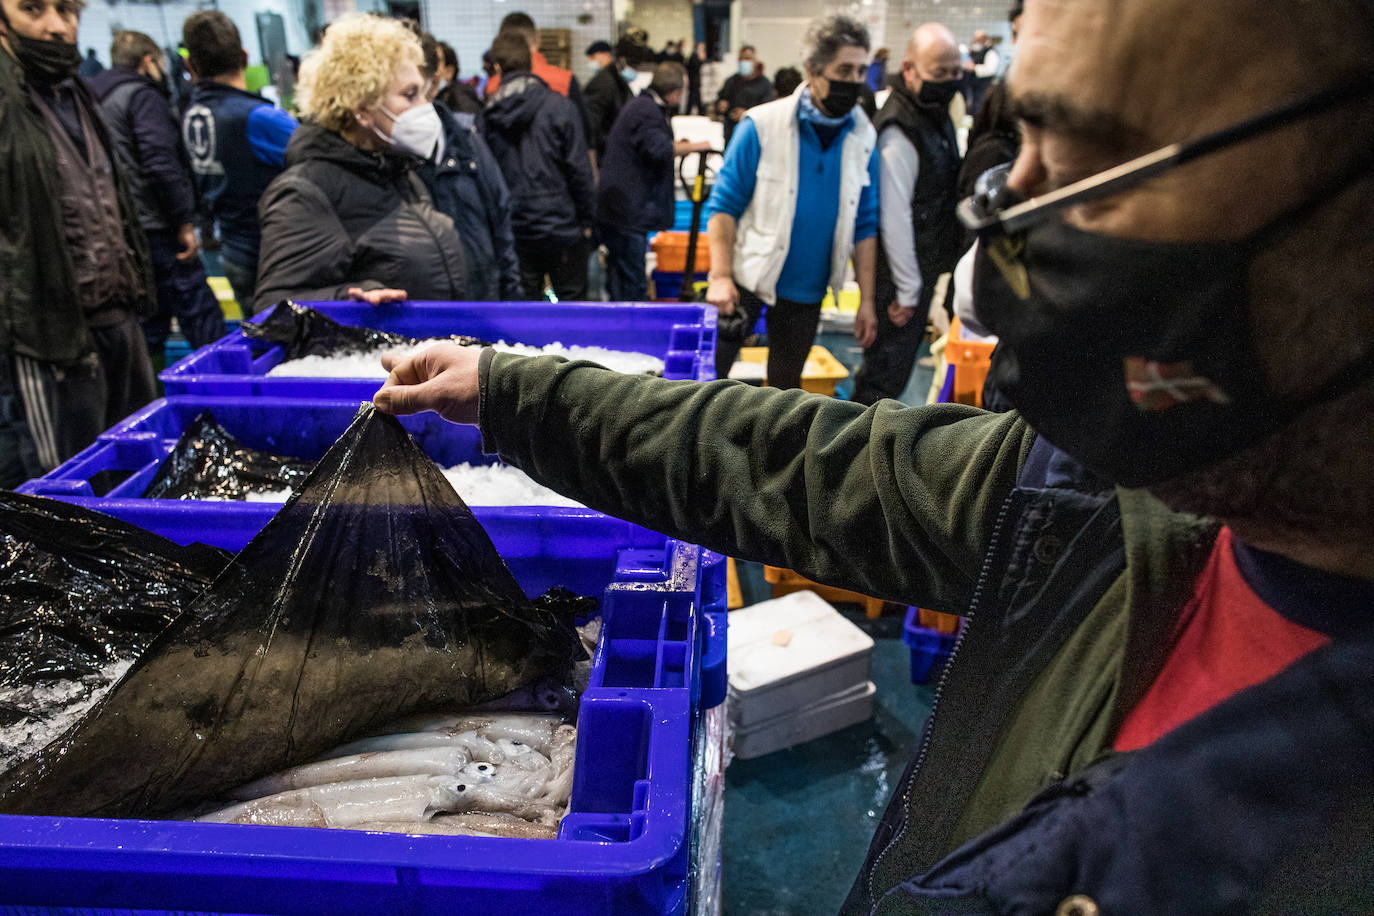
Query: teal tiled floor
{"type": "Point", "coordinates": [798, 822]}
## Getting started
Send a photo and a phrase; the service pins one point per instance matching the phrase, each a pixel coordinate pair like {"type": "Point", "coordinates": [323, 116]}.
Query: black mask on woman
{"type": "Point", "coordinates": [1136, 358]}
{"type": "Point", "coordinates": [45, 62]}
{"type": "Point", "coordinates": [841, 98]}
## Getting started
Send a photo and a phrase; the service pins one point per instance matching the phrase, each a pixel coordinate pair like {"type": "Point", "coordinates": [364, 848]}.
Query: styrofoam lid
{"type": "Point", "coordinates": [778, 640]}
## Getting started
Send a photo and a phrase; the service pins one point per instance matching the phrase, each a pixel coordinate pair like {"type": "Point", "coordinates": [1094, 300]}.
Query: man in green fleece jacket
{"type": "Point", "coordinates": [1160, 701]}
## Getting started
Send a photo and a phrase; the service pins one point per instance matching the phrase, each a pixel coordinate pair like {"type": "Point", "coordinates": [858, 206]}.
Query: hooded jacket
{"type": "Point", "coordinates": [39, 315]}
{"type": "Point", "coordinates": [147, 140]}
{"type": "Point", "coordinates": [467, 186]}
{"type": "Point", "coordinates": [537, 138]}
{"type": "Point", "coordinates": [341, 217]}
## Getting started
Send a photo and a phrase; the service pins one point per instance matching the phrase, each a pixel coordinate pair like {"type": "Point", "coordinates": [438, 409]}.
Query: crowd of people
{"type": "Point", "coordinates": [1162, 552]}
{"type": "Point", "coordinates": [391, 178]}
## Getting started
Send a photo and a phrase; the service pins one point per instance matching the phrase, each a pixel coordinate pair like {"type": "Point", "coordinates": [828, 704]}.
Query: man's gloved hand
{"type": "Point", "coordinates": [442, 378]}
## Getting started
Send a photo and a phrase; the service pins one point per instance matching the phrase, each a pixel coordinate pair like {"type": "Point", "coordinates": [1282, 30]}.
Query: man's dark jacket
{"type": "Point", "coordinates": [636, 192]}
{"type": "Point", "coordinates": [606, 94]}
{"type": "Point", "coordinates": [467, 186]}
{"type": "Point", "coordinates": [39, 315]}
{"type": "Point", "coordinates": [147, 138]}
{"type": "Point", "coordinates": [341, 217]}
{"type": "Point", "coordinates": [1070, 592]}
{"type": "Point", "coordinates": [461, 98]}
{"type": "Point", "coordinates": [537, 137]}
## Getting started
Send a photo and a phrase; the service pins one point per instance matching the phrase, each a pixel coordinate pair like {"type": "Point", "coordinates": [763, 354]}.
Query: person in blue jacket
{"type": "Point", "coordinates": [636, 192]}
{"type": "Point", "coordinates": [796, 196]}
{"type": "Point", "coordinates": [467, 186]}
{"type": "Point", "coordinates": [237, 143]}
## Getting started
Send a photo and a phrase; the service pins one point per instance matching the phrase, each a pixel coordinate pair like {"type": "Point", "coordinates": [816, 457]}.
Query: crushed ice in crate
{"type": "Point", "coordinates": [478, 484]}
{"type": "Point", "coordinates": [43, 712]}
{"type": "Point", "coordinates": [368, 364]}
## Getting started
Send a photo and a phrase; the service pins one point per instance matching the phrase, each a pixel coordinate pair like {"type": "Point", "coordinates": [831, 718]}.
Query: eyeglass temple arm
{"type": "Point", "coordinates": [1136, 171]}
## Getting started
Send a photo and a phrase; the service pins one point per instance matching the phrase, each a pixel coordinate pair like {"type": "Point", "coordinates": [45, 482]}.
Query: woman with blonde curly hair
{"type": "Point", "coordinates": [349, 218]}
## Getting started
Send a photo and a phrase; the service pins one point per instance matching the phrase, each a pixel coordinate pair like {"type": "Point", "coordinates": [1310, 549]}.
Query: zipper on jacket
{"type": "Point", "coordinates": [433, 236]}
{"type": "Point", "coordinates": [984, 574]}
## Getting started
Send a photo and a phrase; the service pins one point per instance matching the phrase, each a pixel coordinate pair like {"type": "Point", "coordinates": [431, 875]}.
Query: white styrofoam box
{"type": "Point", "coordinates": [825, 655]}
{"type": "Point", "coordinates": [851, 707]}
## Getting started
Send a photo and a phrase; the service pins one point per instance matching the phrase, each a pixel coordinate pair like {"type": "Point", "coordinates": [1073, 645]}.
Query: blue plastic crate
{"type": "Point", "coordinates": [682, 217]}
{"type": "Point", "coordinates": [668, 285]}
{"type": "Point", "coordinates": [623, 848]}
{"type": "Point", "coordinates": [930, 649]}
{"type": "Point", "coordinates": [683, 336]}
{"type": "Point", "coordinates": [129, 454]}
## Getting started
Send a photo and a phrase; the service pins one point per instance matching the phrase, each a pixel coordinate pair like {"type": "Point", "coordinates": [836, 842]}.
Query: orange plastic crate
{"type": "Point", "coordinates": [670, 251]}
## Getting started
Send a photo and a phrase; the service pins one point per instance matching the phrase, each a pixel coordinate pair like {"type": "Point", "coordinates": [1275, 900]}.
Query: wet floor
{"type": "Point", "coordinates": [798, 821]}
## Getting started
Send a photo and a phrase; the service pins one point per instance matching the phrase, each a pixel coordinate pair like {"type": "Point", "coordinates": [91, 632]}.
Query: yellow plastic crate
{"type": "Point", "coordinates": [225, 294]}
{"type": "Point", "coordinates": [848, 304]}
{"type": "Point", "coordinates": [821, 374]}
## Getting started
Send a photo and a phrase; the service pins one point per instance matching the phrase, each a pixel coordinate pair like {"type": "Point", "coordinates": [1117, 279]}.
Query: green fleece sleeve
{"type": "Point", "coordinates": [889, 501]}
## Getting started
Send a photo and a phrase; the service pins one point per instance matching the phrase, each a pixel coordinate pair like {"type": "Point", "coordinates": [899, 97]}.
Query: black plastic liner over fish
{"type": "Point", "coordinates": [306, 332]}
{"type": "Point", "coordinates": [80, 591]}
{"type": "Point", "coordinates": [208, 463]}
{"type": "Point", "coordinates": [372, 594]}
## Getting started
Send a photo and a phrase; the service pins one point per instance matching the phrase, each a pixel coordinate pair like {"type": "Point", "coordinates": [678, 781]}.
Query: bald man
{"type": "Point", "coordinates": [1160, 701]}
{"type": "Point", "coordinates": [919, 235]}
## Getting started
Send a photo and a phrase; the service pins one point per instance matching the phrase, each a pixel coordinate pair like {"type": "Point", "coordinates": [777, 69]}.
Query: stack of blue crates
{"type": "Point", "coordinates": [625, 845]}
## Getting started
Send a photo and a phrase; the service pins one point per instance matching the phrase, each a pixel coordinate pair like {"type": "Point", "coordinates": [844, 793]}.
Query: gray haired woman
{"type": "Point", "coordinates": [780, 239]}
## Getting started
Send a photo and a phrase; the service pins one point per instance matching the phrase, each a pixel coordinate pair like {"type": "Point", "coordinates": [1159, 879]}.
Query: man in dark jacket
{"type": "Point", "coordinates": [1160, 699]}
{"type": "Point", "coordinates": [237, 142]}
{"type": "Point", "coordinates": [467, 186]}
{"type": "Point", "coordinates": [74, 271]}
{"type": "Point", "coordinates": [743, 90]}
{"type": "Point", "coordinates": [636, 192]}
{"type": "Point", "coordinates": [458, 96]}
{"type": "Point", "coordinates": [536, 135]}
{"type": "Point", "coordinates": [919, 237]}
{"type": "Point", "coordinates": [608, 91]}
{"type": "Point", "coordinates": [147, 139]}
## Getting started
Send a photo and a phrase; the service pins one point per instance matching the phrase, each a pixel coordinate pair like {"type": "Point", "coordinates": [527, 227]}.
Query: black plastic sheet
{"type": "Point", "coordinates": [306, 332]}
{"type": "Point", "coordinates": [372, 595]}
{"type": "Point", "coordinates": [208, 463]}
{"type": "Point", "coordinates": [80, 591]}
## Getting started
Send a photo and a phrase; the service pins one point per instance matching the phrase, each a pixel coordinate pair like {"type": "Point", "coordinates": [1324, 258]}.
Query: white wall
{"type": "Point", "coordinates": [162, 22]}
{"type": "Point", "coordinates": [470, 25]}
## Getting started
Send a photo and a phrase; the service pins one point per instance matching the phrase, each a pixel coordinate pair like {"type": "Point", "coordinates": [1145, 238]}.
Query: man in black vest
{"type": "Point", "coordinates": [919, 235]}
{"type": "Point", "coordinates": [76, 276]}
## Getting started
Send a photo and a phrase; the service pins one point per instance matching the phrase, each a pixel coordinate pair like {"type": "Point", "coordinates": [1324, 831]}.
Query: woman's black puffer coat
{"type": "Point", "coordinates": [341, 217]}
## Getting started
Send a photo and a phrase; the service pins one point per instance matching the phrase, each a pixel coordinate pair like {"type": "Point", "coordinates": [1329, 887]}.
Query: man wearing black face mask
{"type": "Point", "coordinates": [76, 276]}
{"type": "Point", "coordinates": [134, 100]}
{"type": "Point", "coordinates": [1160, 700]}
{"type": "Point", "coordinates": [920, 236]}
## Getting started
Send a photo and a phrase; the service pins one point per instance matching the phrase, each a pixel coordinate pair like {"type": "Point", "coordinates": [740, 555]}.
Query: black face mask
{"type": "Point", "coordinates": [841, 98]}
{"type": "Point", "coordinates": [1136, 358]}
{"type": "Point", "coordinates": [940, 94]}
{"type": "Point", "coordinates": [45, 62]}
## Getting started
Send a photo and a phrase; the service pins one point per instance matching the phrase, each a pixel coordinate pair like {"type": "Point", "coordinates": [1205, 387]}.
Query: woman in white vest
{"type": "Point", "coordinates": [796, 197]}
